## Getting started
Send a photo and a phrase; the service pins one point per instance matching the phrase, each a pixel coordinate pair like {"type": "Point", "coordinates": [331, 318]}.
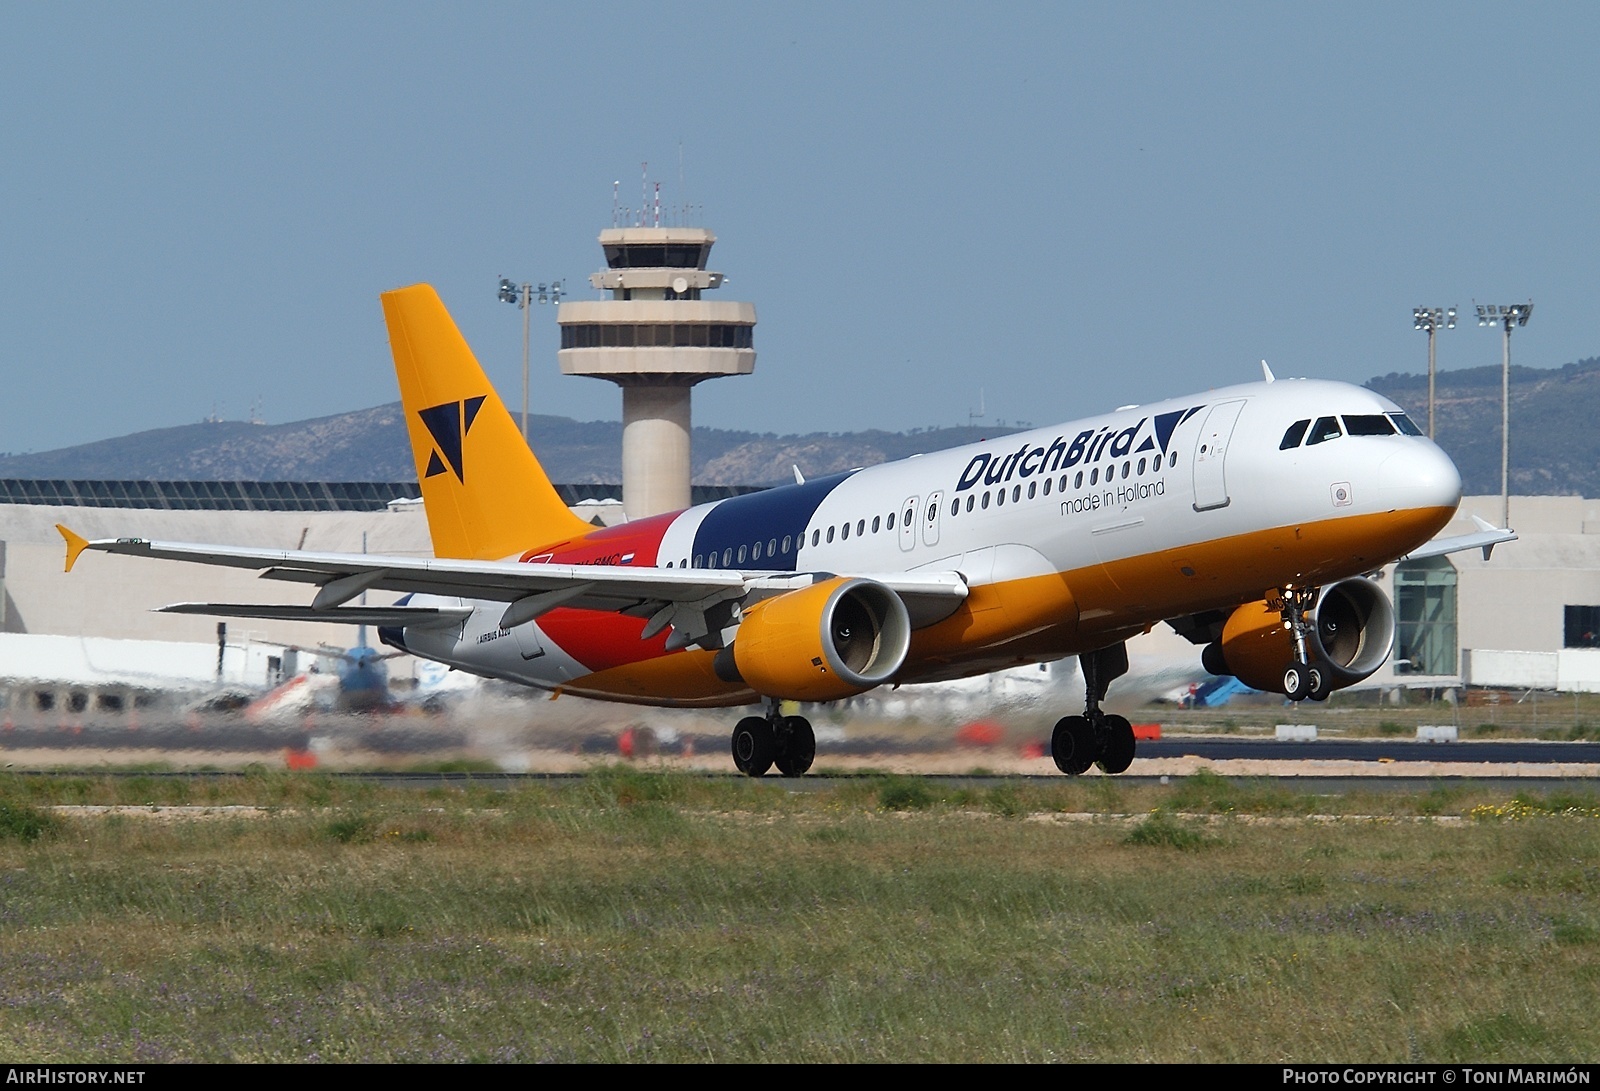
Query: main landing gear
{"type": "Point", "coordinates": [1095, 738]}
{"type": "Point", "coordinates": [1302, 678]}
{"type": "Point", "coordinates": [760, 742]}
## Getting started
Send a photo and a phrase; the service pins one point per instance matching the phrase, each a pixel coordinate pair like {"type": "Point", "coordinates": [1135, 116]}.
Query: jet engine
{"type": "Point", "coordinates": [833, 639]}
{"type": "Point", "coordinates": [1351, 634]}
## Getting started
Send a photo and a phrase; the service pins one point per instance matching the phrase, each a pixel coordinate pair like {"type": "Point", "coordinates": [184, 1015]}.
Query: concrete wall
{"type": "Point", "coordinates": [1516, 600]}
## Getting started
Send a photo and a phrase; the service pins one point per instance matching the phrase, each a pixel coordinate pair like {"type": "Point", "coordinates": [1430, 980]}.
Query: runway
{"type": "Point", "coordinates": [375, 744]}
{"type": "Point", "coordinates": [1494, 752]}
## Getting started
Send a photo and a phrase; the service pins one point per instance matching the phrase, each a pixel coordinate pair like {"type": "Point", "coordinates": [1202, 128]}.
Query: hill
{"type": "Point", "coordinates": [1555, 446]}
{"type": "Point", "coordinates": [371, 445]}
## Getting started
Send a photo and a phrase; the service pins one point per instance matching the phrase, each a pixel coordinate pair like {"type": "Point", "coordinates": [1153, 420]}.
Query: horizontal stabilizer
{"type": "Point", "coordinates": [1486, 538]}
{"type": "Point", "coordinates": [347, 615]}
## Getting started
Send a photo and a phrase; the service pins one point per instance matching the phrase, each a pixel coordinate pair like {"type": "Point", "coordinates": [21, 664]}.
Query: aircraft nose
{"type": "Point", "coordinates": [1421, 476]}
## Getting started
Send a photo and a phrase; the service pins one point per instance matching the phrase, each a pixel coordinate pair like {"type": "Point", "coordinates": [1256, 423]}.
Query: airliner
{"type": "Point", "coordinates": [1250, 518]}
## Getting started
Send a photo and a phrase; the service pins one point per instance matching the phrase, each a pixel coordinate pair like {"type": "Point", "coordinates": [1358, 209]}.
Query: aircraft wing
{"type": "Point", "coordinates": [1485, 538]}
{"type": "Point", "coordinates": [676, 597]}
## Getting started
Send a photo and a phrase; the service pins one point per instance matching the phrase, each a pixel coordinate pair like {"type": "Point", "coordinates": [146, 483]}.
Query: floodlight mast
{"type": "Point", "coordinates": [1429, 319]}
{"type": "Point", "coordinates": [1505, 317]}
{"type": "Point", "coordinates": [522, 295]}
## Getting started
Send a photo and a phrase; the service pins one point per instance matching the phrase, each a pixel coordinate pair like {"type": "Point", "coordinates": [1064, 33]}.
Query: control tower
{"type": "Point", "coordinates": [655, 337]}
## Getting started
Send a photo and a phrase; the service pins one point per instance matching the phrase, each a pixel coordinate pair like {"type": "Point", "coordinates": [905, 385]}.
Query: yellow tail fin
{"type": "Point", "coordinates": [485, 493]}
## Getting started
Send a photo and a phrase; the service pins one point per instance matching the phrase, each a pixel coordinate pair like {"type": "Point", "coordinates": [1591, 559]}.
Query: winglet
{"type": "Point", "coordinates": [1266, 372]}
{"type": "Point", "coordinates": [1488, 527]}
{"type": "Point", "coordinates": [76, 544]}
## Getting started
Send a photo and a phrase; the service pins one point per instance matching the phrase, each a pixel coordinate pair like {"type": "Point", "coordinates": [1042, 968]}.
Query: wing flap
{"type": "Point", "coordinates": [348, 615]}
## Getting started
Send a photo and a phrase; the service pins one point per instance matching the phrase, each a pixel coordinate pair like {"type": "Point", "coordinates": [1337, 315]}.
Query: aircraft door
{"type": "Point", "coordinates": [930, 519]}
{"type": "Point", "coordinates": [1210, 455]}
{"type": "Point", "coordinates": [908, 523]}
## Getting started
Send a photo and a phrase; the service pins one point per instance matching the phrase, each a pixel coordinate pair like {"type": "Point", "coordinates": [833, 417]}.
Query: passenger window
{"type": "Point", "coordinates": [699, 560]}
{"type": "Point", "coordinates": [1047, 486]}
{"type": "Point", "coordinates": [772, 547]}
{"type": "Point", "coordinates": [1033, 489]}
{"type": "Point", "coordinates": [999, 497]}
{"type": "Point", "coordinates": [1325, 429]}
{"type": "Point", "coordinates": [1368, 424]}
{"type": "Point", "coordinates": [861, 527]}
{"type": "Point", "coordinates": [844, 533]}
{"type": "Point", "coordinates": [741, 554]}
{"type": "Point", "coordinates": [877, 521]}
{"type": "Point", "coordinates": [727, 557]}
{"type": "Point", "coordinates": [890, 524]}
{"type": "Point", "coordinates": [1296, 433]}
{"type": "Point", "coordinates": [985, 504]}
{"type": "Point", "coordinates": [1173, 461]}
{"type": "Point", "coordinates": [970, 501]}
{"type": "Point", "coordinates": [830, 534]}
{"type": "Point", "coordinates": [786, 543]}
{"type": "Point", "coordinates": [816, 536]}
{"type": "Point", "coordinates": [955, 506]}
{"type": "Point", "coordinates": [755, 554]}
{"type": "Point", "coordinates": [1077, 482]}
{"type": "Point", "coordinates": [1016, 493]}
{"type": "Point", "coordinates": [1094, 476]}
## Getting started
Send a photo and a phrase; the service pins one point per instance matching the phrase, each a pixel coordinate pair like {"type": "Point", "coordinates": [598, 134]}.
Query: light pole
{"type": "Point", "coordinates": [1505, 317]}
{"type": "Point", "coordinates": [1429, 318]}
{"type": "Point", "coordinates": [523, 296]}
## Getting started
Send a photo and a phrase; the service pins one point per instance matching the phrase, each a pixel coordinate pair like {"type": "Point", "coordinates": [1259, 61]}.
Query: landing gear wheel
{"type": "Point", "coordinates": [1118, 753]}
{"type": "Point", "coordinates": [1297, 682]}
{"type": "Point", "coordinates": [753, 746]}
{"type": "Point", "coordinates": [797, 747]}
{"type": "Point", "coordinates": [1072, 745]}
{"type": "Point", "coordinates": [1319, 685]}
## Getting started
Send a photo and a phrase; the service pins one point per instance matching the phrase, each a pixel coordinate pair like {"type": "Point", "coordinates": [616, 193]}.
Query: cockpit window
{"type": "Point", "coordinates": [1405, 424]}
{"type": "Point", "coordinates": [1368, 424]}
{"type": "Point", "coordinates": [1325, 429]}
{"type": "Point", "coordinates": [1296, 433]}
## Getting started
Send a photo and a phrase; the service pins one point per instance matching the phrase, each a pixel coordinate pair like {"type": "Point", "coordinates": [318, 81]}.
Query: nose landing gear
{"type": "Point", "coordinates": [1302, 679]}
{"type": "Point", "coordinates": [1096, 737]}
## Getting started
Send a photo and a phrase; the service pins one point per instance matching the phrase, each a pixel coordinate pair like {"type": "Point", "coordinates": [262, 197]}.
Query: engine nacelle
{"type": "Point", "coordinates": [833, 639]}
{"type": "Point", "coordinates": [1351, 634]}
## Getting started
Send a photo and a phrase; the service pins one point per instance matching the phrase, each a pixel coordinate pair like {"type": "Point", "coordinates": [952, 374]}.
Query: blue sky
{"type": "Point", "coordinates": [1068, 206]}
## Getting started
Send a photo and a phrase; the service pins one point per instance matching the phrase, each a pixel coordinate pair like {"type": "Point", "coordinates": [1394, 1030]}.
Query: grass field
{"type": "Point", "coordinates": [633, 916]}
